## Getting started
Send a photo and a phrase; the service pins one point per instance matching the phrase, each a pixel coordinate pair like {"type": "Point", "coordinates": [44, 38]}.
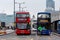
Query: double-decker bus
{"type": "Point", "coordinates": [23, 23]}
{"type": "Point", "coordinates": [43, 23]}
{"type": "Point", "coordinates": [56, 26]}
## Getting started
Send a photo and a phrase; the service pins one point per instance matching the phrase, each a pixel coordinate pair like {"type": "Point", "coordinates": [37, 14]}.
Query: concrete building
{"type": "Point", "coordinates": [55, 15]}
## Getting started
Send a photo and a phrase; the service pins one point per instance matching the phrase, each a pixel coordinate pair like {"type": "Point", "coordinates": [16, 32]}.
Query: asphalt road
{"type": "Point", "coordinates": [13, 36]}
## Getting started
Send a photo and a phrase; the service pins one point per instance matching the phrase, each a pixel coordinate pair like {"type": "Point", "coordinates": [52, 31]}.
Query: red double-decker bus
{"type": "Point", "coordinates": [23, 23]}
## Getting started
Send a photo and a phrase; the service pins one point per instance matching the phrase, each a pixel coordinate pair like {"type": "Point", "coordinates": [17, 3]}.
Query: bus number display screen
{"type": "Point", "coordinates": [43, 21]}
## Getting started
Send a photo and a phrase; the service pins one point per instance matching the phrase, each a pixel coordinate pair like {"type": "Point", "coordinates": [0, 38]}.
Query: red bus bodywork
{"type": "Point", "coordinates": [21, 20]}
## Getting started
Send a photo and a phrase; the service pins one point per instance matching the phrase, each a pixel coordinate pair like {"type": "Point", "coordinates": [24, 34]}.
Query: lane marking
{"type": "Point", "coordinates": [31, 38]}
{"type": "Point", "coordinates": [3, 39]}
{"type": "Point", "coordinates": [49, 38]}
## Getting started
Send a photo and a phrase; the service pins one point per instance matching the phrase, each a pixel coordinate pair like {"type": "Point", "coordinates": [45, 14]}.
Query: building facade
{"type": "Point", "coordinates": [55, 15]}
{"type": "Point", "coordinates": [50, 5]}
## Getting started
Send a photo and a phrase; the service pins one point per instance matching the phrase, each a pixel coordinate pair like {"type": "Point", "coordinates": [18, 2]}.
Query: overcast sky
{"type": "Point", "coordinates": [33, 6]}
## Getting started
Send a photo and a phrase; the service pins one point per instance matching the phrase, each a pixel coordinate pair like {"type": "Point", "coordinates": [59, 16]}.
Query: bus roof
{"type": "Point", "coordinates": [22, 12]}
{"type": "Point", "coordinates": [43, 13]}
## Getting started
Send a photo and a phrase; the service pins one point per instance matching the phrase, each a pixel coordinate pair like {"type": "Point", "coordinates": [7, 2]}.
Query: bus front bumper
{"type": "Point", "coordinates": [23, 32]}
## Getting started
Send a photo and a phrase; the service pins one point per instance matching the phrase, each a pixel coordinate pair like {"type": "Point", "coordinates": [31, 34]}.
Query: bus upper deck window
{"type": "Point", "coordinates": [43, 16]}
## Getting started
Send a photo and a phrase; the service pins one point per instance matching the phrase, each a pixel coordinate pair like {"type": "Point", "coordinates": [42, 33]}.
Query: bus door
{"type": "Point", "coordinates": [58, 27]}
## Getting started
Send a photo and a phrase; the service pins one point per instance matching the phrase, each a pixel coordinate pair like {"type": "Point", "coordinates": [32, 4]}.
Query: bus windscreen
{"type": "Point", "coordinates": [43, 16]}
{"type": "Point", "coordinates": [22, 15]}
{"type": "Point", "coordinates": [21, 26]}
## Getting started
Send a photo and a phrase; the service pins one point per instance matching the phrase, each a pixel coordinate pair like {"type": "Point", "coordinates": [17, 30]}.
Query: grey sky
{"type": "Point", "coordinates": [33, 6]}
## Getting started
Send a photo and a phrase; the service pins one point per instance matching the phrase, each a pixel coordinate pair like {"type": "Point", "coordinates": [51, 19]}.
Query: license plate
{"type": "Point", "coordinates": [22, 31]}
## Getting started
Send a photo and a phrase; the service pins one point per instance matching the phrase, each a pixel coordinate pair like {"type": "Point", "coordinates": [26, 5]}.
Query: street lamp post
{"type": "Point", "coordinates": [20, 5]}
{"type": "Point", "coordinates": [14, 15]}
{"type": "Point", "coordinates": [14, 10]}
{"type": "Point", "coordinates": [19, 8]}
{"type": "Point", "coordinates": [23, 8]}
{"type": "Point", "coordinates": [14, 6]}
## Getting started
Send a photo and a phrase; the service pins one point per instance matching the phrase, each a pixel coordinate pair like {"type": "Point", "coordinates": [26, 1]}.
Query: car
{"type": "Point", "coordinates": [34, 28]}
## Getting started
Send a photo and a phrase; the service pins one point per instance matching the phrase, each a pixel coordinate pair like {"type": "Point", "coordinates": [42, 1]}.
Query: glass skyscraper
{"type": "Point", "coordinates": [50, 4]}
{"type": "Point", "coordinates": [6, 18]}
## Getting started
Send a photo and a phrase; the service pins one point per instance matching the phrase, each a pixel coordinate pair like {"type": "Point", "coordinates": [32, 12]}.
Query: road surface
{"type": "Point", "coordinates": [13, 36]}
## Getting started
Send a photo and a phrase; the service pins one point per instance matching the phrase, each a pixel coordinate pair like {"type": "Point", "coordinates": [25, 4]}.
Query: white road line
{"type": "Point", "coordinates": [3, 39]}
{"type": "Point", "coordinates": [49, 38]}
{"type": "Point", "coordinates": [31, 38]}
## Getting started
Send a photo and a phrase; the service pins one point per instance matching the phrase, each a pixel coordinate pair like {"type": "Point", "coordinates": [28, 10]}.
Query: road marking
{"type": "Point", "coordinates": [31, 38]}
{"type": "Point", "coordinates": [49, 38]}
{"type": "Point", "coordinates": [3, 39]}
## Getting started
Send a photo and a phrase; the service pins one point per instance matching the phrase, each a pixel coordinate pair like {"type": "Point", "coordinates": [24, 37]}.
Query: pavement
{"type": "Point", "coordinates": [56, 34]}
{"type": "Point", "coordinates": [9, 31]}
